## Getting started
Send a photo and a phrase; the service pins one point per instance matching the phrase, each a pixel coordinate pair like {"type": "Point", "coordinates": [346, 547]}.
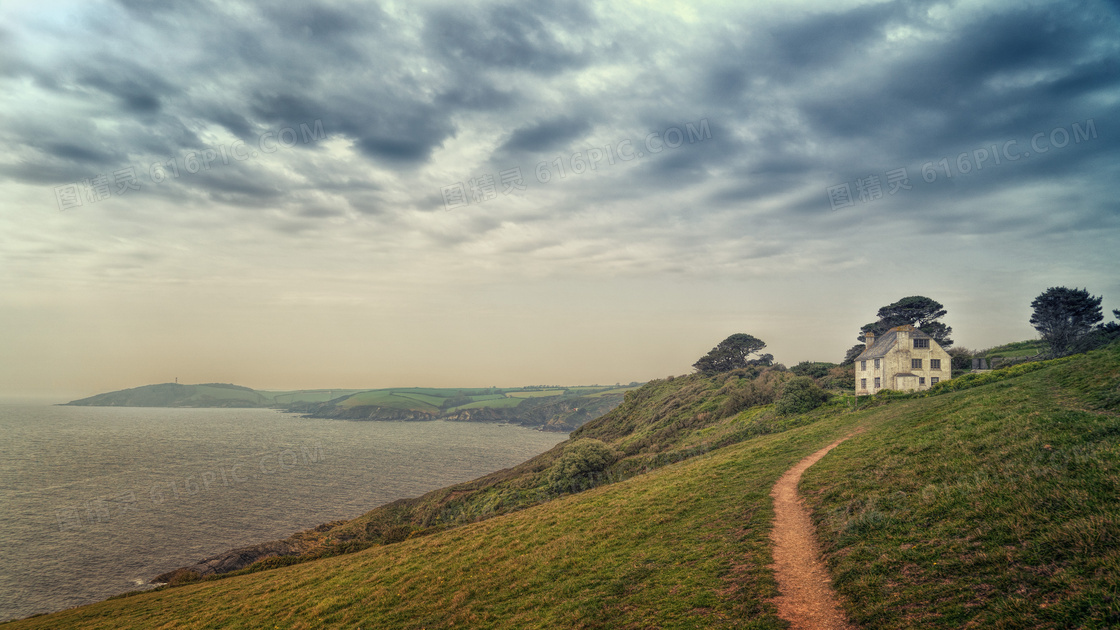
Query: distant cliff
{"type": "Point", "coordinates": [176, 395]}
{"type": "Point", "coordinates": [547, 408]}
{"type": "Point", "coordinates": [563, 413]}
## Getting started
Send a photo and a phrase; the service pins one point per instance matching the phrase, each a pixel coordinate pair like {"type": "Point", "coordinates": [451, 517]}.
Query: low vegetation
{"type": "Point", "coordinates": [989, 504]}
{"type": "Point", "coordinates": [549, 408]}
{"type": "Point", "coordinates": [988, 501]}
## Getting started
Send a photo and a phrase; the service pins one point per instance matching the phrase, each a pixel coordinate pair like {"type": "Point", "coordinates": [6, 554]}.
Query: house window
{"type": "Point", "coordinates": [921, 343]}
{"type": "Point", "coordinates": [877, 380]}
{"type": "Point", "coordinates": [863, 366]}
{"type": "Point", "coordinates": [863, 383]}
{"type": "Point", "coordinates": [935, 364]}
{"type": "Point", "coordinates": [921, 380]}
{"type": "Point", "coordinates": [876, 364]}
{"type": "Point", "coordinates": [933, 380]}
{"type": "Point", "coordinates": [915, 364]}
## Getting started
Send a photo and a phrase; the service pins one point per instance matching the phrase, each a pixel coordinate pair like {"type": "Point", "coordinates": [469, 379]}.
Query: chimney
{"type": "Point", "coordinates": [869, 339]}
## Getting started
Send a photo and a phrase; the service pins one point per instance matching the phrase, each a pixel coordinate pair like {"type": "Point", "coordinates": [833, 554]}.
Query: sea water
{"type": "Point", "coordinates": [96, 501]}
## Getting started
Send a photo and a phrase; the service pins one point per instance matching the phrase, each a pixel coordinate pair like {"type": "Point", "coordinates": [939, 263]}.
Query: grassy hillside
{"type": "Point", "coordinates": [178, 395]}
{"type": "Point", "coordinates": [989, 504]}
{"type": "Point", "coordinates": [552, 408]}
{"type": "Point", "coordinates": [1017, 350]}
{"type": "Point", "coordinates": [684, 546]}
{"type": "Point", "coordinates": [564, 410]}
{"type": "Point", "coordinates": [995, 507]}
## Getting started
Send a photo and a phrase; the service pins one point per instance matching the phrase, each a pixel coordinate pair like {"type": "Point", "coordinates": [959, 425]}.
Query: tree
{"type": "Point", "coordinates": [800, 394]}
{"type": "Point", "coordinates": [919, 311]}
{"type": "Point", "coordinates": [764, 360]}
{"type": "Point", "coordinates": [580, 465]}
{"type": "Point", "coordinates": [1064, 316]}
{"type": "Point", "coordinates": [730, 354]}
{"type": "Point", "coordinates": [853, 352]}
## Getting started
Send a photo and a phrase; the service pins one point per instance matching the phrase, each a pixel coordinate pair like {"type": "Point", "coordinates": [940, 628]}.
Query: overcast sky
{"type": "Point", "coordinates": [461, 193]}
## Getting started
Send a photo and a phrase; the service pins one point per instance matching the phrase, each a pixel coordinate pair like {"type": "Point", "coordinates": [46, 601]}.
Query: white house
{"type": "Point", "coordinates": [904, 358]}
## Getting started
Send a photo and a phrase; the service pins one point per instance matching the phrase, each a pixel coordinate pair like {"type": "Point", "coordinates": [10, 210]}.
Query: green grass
{"type": "Point", "coordinates": [389, 400]}
{"type": "Point", "coordinates": [538, 393]}
{"type": "Point", "coordinates": [429, 399]}
{"type": "Point", "coordinates": [307, 395]}
{"type": "Point", "coordinates": [612, 392]}
{"type": "Point", "coordinates": [180, 395]}
{"type": "Point", "coordinates": [501, 403]}
{"type": "Point", "coordinates": [994, 507]}
{"type": "Point", "coordinates": [479, 397]}
{"type": "Point", "coordinates": [989, 506]}
{"type": "Point", "coordinates": [1017, 349]}
{"type": "Point", "coordinates": [682, 547]}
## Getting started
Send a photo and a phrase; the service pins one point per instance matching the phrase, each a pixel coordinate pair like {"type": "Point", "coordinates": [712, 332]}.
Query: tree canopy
{"type": "Point", "coordinates": [919, 311]}
{"type": "Point", "coordinates": [1064, 316]}
{"type": "Point", "coordinates": [732, 353]}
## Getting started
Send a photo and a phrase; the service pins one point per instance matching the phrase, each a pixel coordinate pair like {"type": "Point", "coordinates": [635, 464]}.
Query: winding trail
{"type": "Point", "coordinates": [806, 598]}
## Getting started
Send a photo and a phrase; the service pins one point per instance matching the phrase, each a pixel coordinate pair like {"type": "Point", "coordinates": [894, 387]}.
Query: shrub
{"type": "Point", "coordinates": [841, 377]}
{"type": "Point", "coordinates": [183, 576]}
{"type": "Point", "coordinates": [578, 467]}
{"type": "Point", "coordinates": [759, 388]}
{"type": "Point", "coordinates": [800, 394]}
{"type": "Point", "coordinates": [961, 358]}
{"type": "Point", "coordinates": [815, 369]}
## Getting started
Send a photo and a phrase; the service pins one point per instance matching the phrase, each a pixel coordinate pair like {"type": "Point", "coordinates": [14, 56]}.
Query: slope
{"type": "Point", "coordinates": [684, 546]}
{"type": "Point", "coordinates": [988, 504]}
{"type": "Point", "coordinates": [994, 507]}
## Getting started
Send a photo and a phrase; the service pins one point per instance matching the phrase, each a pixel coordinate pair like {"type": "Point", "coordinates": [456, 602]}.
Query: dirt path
{"type": "Point", "coordinates": [807, 600]}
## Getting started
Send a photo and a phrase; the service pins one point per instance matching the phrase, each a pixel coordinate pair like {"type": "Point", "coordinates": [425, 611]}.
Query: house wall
{"type": "Point", "coordinates": [898, 361]}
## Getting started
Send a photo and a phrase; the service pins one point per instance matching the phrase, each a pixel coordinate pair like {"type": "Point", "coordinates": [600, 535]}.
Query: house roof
{"type": "Point", "coordinates": [886, 341]}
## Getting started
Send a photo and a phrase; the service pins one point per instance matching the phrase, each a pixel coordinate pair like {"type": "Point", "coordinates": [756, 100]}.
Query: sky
{"type": "Point", "coordinates": [299, 194]}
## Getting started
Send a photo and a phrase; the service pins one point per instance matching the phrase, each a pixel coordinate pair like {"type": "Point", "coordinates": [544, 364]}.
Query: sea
{"type": "Point", "coordinates": [96, 501]}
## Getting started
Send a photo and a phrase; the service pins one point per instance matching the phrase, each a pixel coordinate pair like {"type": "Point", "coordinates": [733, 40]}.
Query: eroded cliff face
{"type": "Point", "coordinates": [366, 412]}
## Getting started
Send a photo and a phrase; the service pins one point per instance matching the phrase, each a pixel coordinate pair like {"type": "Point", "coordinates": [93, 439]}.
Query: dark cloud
{"type": "Point", "coordinates": [512, 36]}
{"type": "Point", "coordinates": [823, 39]}
{"type": "Point", "coordinates": [73, 152]}
{"type": "Point", "coordinates": [546, 135]}
{"type": "Point", "coordinates": [797, 101]}
{"type": "Point", "coordinates": [476, 96]}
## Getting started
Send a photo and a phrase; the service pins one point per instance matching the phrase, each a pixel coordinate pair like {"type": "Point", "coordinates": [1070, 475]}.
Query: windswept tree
{"type": "Point", "coordinates": [853, 352]}
{"type": "Point", "coordinates": [918, 311]}
{"type": "Point", "coordinates": [731, 353]}
{"type": "Point", "coordinates": [1064, 317]}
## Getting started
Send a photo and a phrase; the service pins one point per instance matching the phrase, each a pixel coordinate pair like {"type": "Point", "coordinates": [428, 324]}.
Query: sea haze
{"type": "Point", "coordinates": [94, 501]}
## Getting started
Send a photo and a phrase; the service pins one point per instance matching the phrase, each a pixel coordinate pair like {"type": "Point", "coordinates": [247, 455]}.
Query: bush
{"type": "Point", "coordinates": [840, 377]}
{"type": "Point", "coordinates": [750, 389]}
{"type": "Point", "coordinates": [814, 369]}
{"type": "Point", "coordinates": [960, 358]}
{"type": "Point", "coordinates": [578, 468]}
{"type": "Point", "coordinates": [183, 576]}
{"type": "Point", "coordinates": [800, 394]}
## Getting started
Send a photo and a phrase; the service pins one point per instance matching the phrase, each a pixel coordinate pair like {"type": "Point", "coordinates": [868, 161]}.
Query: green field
{"type": "Point", "coordinates": [990, 503]}
{"type": "Point", "coordinates": [389, 399]}
{"type": "Point", "coordinates": [479, 397]}
{"type": "Point", "coordinates": [538, 393]}
{"type": "Point", "coordinates": [1017, 349]}
{"type": "Point", "coordinates": [612, 391]}
{"type": "Point", "coordinates": [428, 399]}
{"type": "Point", "coordinates": [501, 403]}
{"type": "Point", "coordinates": [423, 400]}
{"type": "Point", "coordinates": [306, 395]}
